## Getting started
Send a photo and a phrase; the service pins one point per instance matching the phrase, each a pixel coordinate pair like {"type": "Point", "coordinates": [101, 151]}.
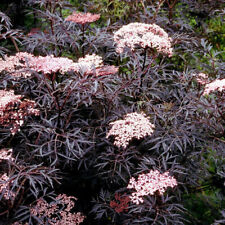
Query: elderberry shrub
{"type": "Point", "coordinates": [124, 115]}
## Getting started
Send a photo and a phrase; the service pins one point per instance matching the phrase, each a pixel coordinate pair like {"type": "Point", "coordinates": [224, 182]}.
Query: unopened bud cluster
{"type": "Point", "coordinates": [120, 204]}
{"type": "Point", "coordinates": [83, 18]}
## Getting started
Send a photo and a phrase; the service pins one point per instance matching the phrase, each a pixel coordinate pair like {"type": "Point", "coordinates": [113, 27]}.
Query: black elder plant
{"type": "Point", "coordinates": [134, 143]}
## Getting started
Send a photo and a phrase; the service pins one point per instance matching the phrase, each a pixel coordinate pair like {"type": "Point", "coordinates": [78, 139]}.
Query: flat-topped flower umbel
{"type": "Point", "coordinates": [19, 64]}
{"type": "Point", "coordinates": [216, 85]}
{"type": "Point", "coordinates": [133, 126]}
{"type": "Point", "coordinates": [143, 35]}
{"type": "Point", "coordinates": [149, 184]}
{"type": "Point", "coordinates": [57, 212]}
{"type": "Point", "coordinates": [16, 65]}
{"type": "Point", "coordinates": [22, 64]}
{"type": "Point", "coordinates": [83, 18]}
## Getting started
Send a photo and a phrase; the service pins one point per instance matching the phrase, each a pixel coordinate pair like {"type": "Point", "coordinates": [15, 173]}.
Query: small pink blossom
{"type": "Point", "coordinates": [202, 78]}
{"type": "Point", "coordinates": [93, 64]}
{"type": "Point", "coordinates": [149, 184]}
{"type": "Point", "coordinates": [143, 35]}
{"type": "Point", "coordinates": [83, 18]}
{"type": "Point", "coordinates": [13, 110]}
{"type": "Point", "coordinates": [216, 85]}
{"type": "Point", "coordinates": [133, 126]}
{"type": "Point", "coordinates": [6, 154]}
{"type": "Point", "coordinates": [89, 62]}
{"type": "Point", "coordinates": [4, 188]}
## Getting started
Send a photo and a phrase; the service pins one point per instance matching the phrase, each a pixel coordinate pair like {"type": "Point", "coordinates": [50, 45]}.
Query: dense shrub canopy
{"type": "Point", "coordinates": [112, 112]}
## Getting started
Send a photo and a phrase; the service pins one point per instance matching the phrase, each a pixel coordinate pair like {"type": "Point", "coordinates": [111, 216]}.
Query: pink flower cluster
{"type": "Point", "coordinates": [22, 63]}
{"type": "Point", "coordinates": [13, 110]}
{"type": "Point", "coordinates": [202, 78]}
{"type": "Point", "coordinates": [133, 126]}
{"type": "Point", "coordinates": [93, 64]}
{"type": "Point", "coordinates": [6, 154]}
{"type": "Point", "coordinates": [16, 65]}
{"type": "Point", "coordinates": [90, 61]}
{"type": "Point", "coordinates": [149, 184]}
{"type": "Point", "coordinates": [216, 85]}
{"type": "Point", "coordinates": [143, 35]}
{"type": "Point", "coordinates": [83, 18]}
{"type": "Point", "coordinates": [58, 212]}
{"type": "Point", "coordinates": [44, 64]}
{"type": "Point", "coordinates": [50, 64]}
{"type": "Point", "coordinates": [4, 188]}
{"type": "Point", "coordinates": [106, 70]}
